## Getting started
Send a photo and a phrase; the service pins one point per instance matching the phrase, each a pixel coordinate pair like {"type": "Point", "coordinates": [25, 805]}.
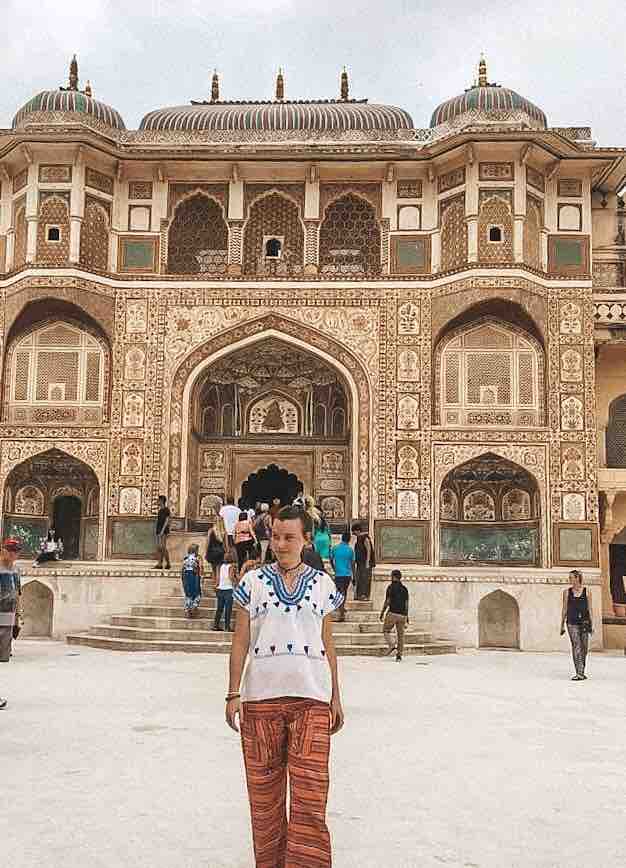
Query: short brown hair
{"type": "Point", "coordinates": [296, 513]}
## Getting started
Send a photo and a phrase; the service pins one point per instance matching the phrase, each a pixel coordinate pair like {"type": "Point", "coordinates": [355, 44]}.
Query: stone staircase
{"type": "Point", "coordinates": [162, 626]}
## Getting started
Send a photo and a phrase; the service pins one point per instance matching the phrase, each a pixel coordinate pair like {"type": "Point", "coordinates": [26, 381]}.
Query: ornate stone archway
{"type": "Point", "coordinates": [94, 454]}
{"type": "Point", "coordinates": [301, 336]}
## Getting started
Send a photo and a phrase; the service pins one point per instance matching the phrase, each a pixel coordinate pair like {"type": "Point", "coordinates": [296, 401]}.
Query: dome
{"type": "Point", "coordinates": [70, 100]}
{"type": "Point", "coordinates": [488, 103]}
{"type": "Point", "coordinates": [316, 116]}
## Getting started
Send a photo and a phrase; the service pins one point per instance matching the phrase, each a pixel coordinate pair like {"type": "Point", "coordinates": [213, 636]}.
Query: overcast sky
{"type": "Point", "coordinates": [568, 57]}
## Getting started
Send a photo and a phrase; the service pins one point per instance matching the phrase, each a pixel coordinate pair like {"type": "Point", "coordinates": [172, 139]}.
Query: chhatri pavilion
{"type": "Point", "coordinates": [422, 327]}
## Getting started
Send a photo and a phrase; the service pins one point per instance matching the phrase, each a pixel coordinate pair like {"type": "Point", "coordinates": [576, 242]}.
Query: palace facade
{"type": "Point", "coordinates": [421, 327]}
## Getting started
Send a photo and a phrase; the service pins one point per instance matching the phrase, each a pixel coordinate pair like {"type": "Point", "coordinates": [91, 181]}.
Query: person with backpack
{"type": "Point", "coordinates": [245, 540]}
{"type": "Point", "coordinates": [342, 560]}
{"type": "Point", "coordinates": [216, 545]}
{"type": "Point", "coordinates": [365, 562]}
{"type": "Point", "coordinates": [263, 529]}
{"type": "Point", "coordinates": [191, 579]}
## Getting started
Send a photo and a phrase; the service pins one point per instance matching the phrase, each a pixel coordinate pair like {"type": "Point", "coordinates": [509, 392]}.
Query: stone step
{"type": "Point", "coordinates": [159, 611]}
{"type": "Point", "coordinates": [178, 622]}
{"type": "Point", "coordinates": [362, 606]}
{"type": "Point", "coordinates": [409, 649]}
{"type": "Point", "coordinates": [194, 629]}
{"type": "Point", "coordinates": [113, 643]}
{"type": "Point", "coordinates": [154, 635]}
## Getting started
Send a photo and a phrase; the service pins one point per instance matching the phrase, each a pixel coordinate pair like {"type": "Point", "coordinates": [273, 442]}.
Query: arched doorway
{"type": "Point", "coordinates": [498, 621]}
{"type": "Point", "coordinates": [269, 416]}
{"type": "Point", "coordinates": [66, 516]}
{"type": "Point", "coordinates": [54, 489]}
{"type": "Point", "coordinates": [271, 482]}
{"type": "Point", "coordinates": [38, 606]}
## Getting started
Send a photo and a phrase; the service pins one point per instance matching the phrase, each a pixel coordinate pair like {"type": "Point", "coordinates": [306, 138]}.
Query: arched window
{"type": "Point", "coordinates": [350, 241]}
{"type": "Point", "coordinates": [273, 230]}
{"type": "Point", "coordinates": [57, 364]}
{"type": "Point", "coordinates": [490, 374]}
{"type": "Point", "coordinates": [495, 234]}
{"type": "Point", "coordinates": [198, 238]}
{"type": "Point", "coordinates": [616, 434]}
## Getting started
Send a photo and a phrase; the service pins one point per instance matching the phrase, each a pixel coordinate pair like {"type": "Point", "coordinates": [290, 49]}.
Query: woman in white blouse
{"type": "Point", "coordinates": [288, 702]}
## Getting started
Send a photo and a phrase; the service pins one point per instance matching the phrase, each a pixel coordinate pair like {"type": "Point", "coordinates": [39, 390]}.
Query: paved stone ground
{"type": "Point", "coordinates": [480, 760]}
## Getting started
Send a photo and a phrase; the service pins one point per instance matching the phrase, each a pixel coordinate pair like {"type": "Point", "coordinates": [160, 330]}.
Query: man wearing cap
{"type": "Point", "coordinates": [10, 590]}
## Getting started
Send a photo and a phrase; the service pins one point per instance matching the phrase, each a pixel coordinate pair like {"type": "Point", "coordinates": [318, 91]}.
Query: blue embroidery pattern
{"type": "Point", "coordinates": [273, 579]}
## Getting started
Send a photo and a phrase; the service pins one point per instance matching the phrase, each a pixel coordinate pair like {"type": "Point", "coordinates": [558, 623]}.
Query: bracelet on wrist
{"type": "Point", "coordinates": [230, 696]}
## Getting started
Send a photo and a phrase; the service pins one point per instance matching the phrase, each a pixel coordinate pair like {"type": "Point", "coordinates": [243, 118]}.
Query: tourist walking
{"type": "Point", "coordinates": [224, 587]}
{"type": "Point", "coordinates": [216, 543]}
{"type": "Point", "coordinates": [162, 532]}
{"type": "Point", "coordinates": [342, 561]}
{"type": "Point", "coordinates": [10, 590]}
{"type": "Point", "coordinates": [576, 612]}
{"type": "Point", "coordinates": [395, 614]}
{"type": "Point", "coordinates": [365, 562]}
{"type": "Point", "coordinates": [288, 702]}
{"type": "Point", "coordinates": [263, 529]}
{"type": "Point", "coordinates": [322, 540]}
{"type": "Point", "coordinates": [310, 556]}
{"type": "Point", "coordinates": [230, 514]}
{"type": "Point", "coordinates": [191, 578]}
{"type": "Point", "coordinates": [245, 540]}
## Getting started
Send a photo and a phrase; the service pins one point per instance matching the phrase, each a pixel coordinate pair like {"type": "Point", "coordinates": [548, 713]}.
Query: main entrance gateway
{"type": "Point", "coordinates": [269, 483]}
{"type": "Point", "coordinates": [270, 419]}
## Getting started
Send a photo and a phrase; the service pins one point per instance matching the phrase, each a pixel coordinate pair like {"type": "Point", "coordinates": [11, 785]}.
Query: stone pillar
{"type": "Point", "coordinates": [32, 213]}
{"type": "Point", "coordinates": [235, 223]}
{"type": "Point", "coordinates": [77, 208]}
{"type": "Point", "coordinates": [311, 221]}
{"type": "Point", "coordinates": [519, 212]}
{"type": "Point", "coordinates": [471, 209]}
{"type": "Point", "coordinates": [430, 219]}
{"type": "Point", "coordinates": [10, 249]}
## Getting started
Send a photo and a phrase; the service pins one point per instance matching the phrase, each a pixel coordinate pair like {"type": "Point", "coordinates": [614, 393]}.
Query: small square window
{"type": "Point", "coordinates": [53, 233]}
{"type": "Point", "coordinates": [273, 246]}
{"type": "Point", "coordinates": [495, 234]}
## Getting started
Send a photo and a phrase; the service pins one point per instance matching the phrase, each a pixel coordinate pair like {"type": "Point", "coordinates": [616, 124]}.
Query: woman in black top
{"type": "Point", "coordinates": [576, 611]}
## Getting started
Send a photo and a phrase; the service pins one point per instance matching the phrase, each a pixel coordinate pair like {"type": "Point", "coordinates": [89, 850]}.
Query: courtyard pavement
{"type": "Point", "coordinates": [479, 760]}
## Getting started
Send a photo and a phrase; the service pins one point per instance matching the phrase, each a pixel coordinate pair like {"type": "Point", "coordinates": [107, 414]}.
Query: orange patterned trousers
{"type": "Point", "coordinates": [283, 737]}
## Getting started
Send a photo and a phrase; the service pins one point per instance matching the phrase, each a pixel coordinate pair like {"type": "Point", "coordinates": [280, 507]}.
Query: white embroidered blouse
{"type": "Point", "coordinates": [286, 655]}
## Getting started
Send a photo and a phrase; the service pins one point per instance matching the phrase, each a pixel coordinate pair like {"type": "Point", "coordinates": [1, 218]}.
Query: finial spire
{"type": "Point", "coordinates": [215, 87]}
{"type": "Point", "coordinates": [345, 89]}
{"type": "Point", "coordinates": [73, 74]}
{"type": "Point", "coordinates": [482, 71]}
{"type": "Point", "coordinates": [88, 91]}
{"type": "Point", "coordinates": [280, 85]}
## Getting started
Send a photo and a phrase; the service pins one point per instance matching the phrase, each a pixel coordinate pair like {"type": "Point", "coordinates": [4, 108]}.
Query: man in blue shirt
{"type": "Point", "coordinates": [342, 560]}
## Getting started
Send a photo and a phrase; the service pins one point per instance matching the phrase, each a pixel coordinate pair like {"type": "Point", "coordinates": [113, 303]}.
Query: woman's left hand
{"type": "Point", "coordinates": [336, 715]}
